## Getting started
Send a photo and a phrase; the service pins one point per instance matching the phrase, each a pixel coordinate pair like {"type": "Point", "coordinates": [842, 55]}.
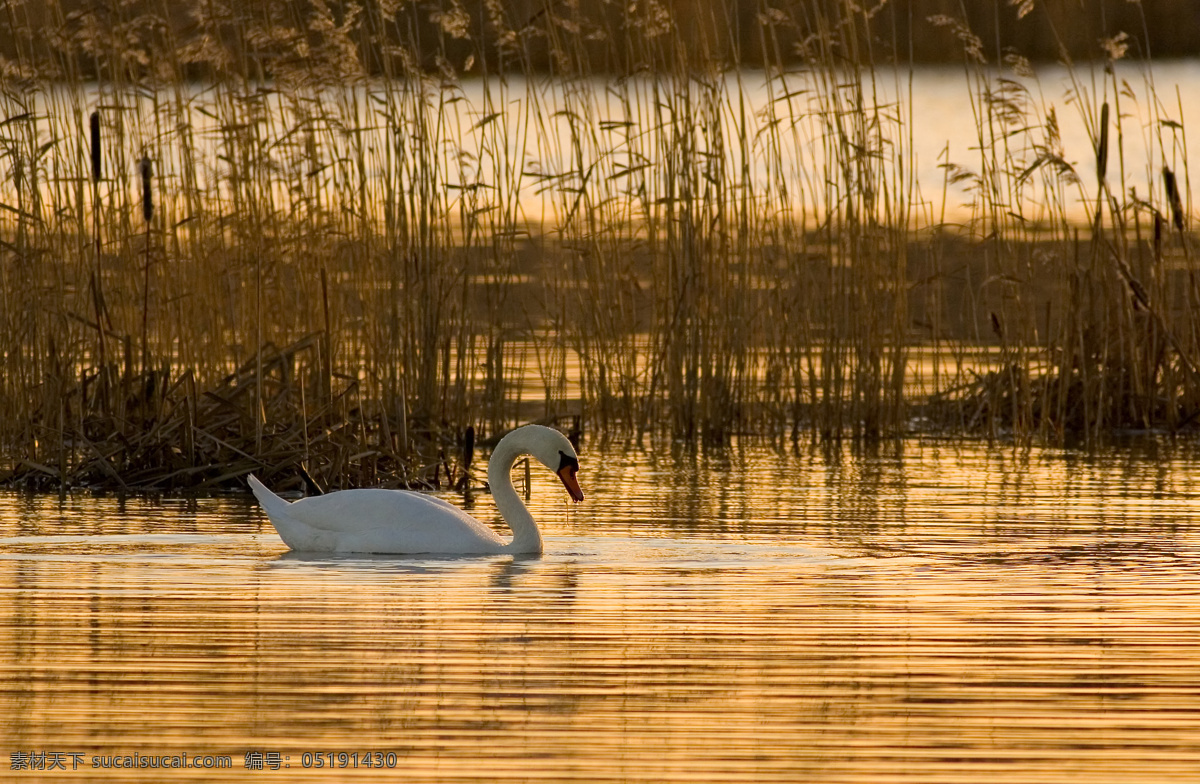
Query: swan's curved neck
{"type": "Point", "coordinates": [526, 537]}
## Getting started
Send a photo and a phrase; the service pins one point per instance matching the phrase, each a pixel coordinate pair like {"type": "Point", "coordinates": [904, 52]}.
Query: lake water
{"type": "Point", "coordinates": [926, 611]}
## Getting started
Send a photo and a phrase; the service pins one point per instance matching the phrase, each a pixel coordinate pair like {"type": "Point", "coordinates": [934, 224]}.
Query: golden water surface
{"type": "Point", "coordinates": [923, 612]}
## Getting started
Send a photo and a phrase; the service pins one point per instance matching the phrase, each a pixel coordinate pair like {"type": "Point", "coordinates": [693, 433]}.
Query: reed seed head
{"type": "Point", "coordinates": [1173, 197]}
{"type": "Point", "coordinates": [147, 169]}
{"type": "Point", "coordinates": [97, 165]}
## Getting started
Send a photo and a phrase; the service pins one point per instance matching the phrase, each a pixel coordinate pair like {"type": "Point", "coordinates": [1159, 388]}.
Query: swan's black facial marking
{"type": "Point", "coordinates": [568, 466]}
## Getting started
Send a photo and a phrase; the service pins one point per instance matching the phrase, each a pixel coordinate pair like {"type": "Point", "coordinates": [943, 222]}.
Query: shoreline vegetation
{"type": "Point", "coordinates": [309, 265]}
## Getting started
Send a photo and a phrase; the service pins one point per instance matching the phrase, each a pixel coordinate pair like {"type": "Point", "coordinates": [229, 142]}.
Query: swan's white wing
{"type": "Point", "coordinates": [389, 521]}
{"type": "Point", "coordinates": [350, 509]}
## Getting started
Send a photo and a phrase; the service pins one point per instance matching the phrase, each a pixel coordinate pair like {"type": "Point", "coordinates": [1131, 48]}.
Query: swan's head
{"type": "Point", "coordinates": [552, 449]}
{"type": "Point", "coordinates": [568, 466]}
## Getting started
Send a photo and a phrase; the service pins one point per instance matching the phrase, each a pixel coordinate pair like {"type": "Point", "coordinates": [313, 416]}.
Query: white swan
{"type": "Point", "coordinates": [399, 521]}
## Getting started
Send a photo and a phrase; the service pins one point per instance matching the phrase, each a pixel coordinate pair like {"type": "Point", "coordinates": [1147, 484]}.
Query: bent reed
{"type": "Point", "coordinates": [318, 244]}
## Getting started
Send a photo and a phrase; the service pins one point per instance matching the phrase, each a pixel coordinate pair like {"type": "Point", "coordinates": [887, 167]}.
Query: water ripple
{"type": "Point", "coordinates": [941, 613]}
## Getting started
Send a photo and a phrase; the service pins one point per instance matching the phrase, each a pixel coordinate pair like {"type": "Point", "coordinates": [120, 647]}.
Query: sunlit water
{"type": "Point", "coordinates": [924, 612]}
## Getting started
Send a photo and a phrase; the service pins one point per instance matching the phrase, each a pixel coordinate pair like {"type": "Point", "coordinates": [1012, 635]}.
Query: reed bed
{"type": "Point", "coordinates": [615, 230]}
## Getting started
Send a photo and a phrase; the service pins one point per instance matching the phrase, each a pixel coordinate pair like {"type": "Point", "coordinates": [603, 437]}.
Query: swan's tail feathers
{"type": "Point", "coordinates": [273, 505]}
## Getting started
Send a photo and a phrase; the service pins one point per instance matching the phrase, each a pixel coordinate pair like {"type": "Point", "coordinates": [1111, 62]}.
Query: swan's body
{"type": "Point", "coordinates": [400, 521]}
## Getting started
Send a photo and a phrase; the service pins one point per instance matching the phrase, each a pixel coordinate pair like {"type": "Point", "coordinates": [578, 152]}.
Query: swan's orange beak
{"type": "Point", "coordinates": [567, 475]}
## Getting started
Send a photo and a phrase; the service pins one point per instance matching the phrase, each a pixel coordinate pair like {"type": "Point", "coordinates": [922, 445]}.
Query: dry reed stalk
{"type": "Point", "coordinates": [147, 174]}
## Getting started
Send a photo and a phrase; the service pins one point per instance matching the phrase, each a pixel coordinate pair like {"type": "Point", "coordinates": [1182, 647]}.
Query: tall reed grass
{"type": "Point", "coordinates": [337, 266]}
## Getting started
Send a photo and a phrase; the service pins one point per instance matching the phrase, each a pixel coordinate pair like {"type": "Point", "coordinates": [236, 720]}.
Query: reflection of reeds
{"type": "Point", "coordinates": [321, 190]}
